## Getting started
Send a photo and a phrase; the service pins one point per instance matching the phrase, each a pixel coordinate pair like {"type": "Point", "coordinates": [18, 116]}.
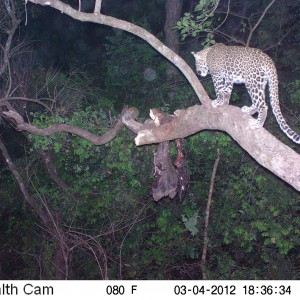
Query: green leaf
{"type": "Point", "coordinates": [190, 223]}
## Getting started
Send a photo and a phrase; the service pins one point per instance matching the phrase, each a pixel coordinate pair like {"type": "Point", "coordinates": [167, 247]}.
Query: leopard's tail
{"type": "Point", "coordinates": [274, 99]}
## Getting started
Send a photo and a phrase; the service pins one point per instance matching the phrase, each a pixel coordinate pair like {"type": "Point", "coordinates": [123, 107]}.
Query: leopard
{"type": "Point", "coordinates": [230, 65]}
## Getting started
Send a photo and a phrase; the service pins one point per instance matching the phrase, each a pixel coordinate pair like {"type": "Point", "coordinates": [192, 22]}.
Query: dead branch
{"type": "Point", "coordinates": [65, 241]}
{"type": "Point", "coordinates": [89, 244]}
{"type": "Point", "coordinates": [9, 24]}
{"type": "Point", "coordinates": [231, 38]}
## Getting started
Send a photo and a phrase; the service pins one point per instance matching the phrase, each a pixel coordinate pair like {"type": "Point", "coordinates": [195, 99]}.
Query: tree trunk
{"type": "Point", "coordinates": [173, 13]}
{"type": "Point", "coordinates": [59, 263]}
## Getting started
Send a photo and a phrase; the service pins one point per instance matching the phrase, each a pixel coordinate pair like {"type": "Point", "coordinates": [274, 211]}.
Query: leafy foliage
{"type": "Point", "coordinates": [201, 21]}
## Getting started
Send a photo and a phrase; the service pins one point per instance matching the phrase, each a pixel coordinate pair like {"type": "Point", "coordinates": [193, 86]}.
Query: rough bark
{"type": "Point", "coordinates": [183, 179]}
{"type": "Point", "coordinates": [166, 179]}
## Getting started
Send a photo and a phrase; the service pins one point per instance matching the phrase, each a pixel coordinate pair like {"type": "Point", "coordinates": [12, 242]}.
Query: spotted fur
{"type": "Point", "coordinates": [233, 64]}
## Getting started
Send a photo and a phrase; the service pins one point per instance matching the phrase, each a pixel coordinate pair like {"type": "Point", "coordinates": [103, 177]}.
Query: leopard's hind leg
{"type": "Point", "coordinates": [257, 94]}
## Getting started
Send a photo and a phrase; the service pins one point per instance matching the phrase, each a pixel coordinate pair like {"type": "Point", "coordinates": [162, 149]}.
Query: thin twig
{"type": "Point", "coordinates": [205, 237]}
{"type": "Point", "coordinates": [227, 13]}
{"type": "Point", "coordinates": [258, 22]}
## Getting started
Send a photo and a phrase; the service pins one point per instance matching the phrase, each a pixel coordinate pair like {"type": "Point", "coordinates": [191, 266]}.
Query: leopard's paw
{"type": "Point", "coordinates": [216, 103]}
{"type": "Point", "coordinates": [245, 109]}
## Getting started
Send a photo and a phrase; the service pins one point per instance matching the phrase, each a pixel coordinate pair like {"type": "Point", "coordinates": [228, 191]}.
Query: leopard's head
{"type": "Point", "coordinates": [200, 60]}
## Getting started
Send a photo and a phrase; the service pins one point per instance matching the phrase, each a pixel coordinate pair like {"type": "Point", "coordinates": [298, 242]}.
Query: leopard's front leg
{"type": "Point", "coordinates": [223, 90]}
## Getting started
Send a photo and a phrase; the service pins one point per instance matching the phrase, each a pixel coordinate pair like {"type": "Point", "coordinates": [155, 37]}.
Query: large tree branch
{"type": "Point", "coordinates": [259, 143]}
{"type": "Point", "coordinates": [138, 31]}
